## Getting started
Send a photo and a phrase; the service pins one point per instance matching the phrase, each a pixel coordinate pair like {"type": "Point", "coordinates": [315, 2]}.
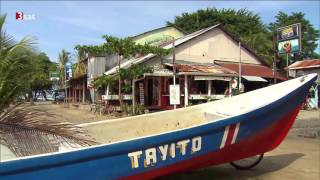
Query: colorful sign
{"type": "Point", "coordinates": [288, 46]}
{"type": "Point", "coordinates": [174, 94]}
{"type": "Point", "coordinates": [289, 39]}
{"type": "Point", "coordinates": [288, 32]}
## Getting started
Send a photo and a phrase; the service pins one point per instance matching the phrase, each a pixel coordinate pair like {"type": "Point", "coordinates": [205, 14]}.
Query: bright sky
{"type": "Point", "coordinates": [64, 24]}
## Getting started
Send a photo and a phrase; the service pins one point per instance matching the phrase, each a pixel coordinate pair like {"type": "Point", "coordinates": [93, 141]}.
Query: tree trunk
{"type": "Point", "coordinates": [120, 94]}
{"type": "Point", "coordinates": [31, 98]}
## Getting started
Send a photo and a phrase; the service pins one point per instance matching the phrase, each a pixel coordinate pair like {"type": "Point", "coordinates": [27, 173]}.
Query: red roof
{"type": "Point", "coordinates": [305, 64]}
{"type": "Point", "coordinates": [252, 70]}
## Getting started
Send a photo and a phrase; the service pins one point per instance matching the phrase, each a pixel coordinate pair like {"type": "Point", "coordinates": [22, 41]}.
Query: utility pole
{"type": "Point", "coordinates": [274, 64]}
{"type": "Point", "coordinates": [287, 65]}
{"type": "Point", "coordinates": [239, 85]}
{"type": "Point", "coordinates": [65, 85]}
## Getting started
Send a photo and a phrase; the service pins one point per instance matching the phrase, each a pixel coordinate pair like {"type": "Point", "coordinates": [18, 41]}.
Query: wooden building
{"type": "Point", "coordinates": [206, 62]}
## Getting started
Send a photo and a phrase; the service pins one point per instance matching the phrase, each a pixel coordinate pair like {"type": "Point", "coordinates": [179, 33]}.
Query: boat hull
{"type": "Point", "coordinates": [260, 143]}
{"type": "Point", "coordinates": [234, 138]}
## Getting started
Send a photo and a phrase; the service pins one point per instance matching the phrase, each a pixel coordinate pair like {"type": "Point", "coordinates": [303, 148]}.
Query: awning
{"type": "Point", "coordinates": [254, 78]}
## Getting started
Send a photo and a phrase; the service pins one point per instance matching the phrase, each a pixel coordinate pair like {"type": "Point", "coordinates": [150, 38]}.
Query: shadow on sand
{"type": "Point", "coordinates": [268, 164]}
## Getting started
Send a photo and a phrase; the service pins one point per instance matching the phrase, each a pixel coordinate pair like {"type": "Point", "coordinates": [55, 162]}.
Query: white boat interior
{"type": "Point", "coordinates": [161, 122]}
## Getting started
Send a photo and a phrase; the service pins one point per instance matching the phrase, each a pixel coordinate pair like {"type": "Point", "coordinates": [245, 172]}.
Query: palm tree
{"type": "Point", "coordinates": [79, 67]}
{"type": "Point", "coordinates": [14, 66]}
{"type": "Point", "coordinates": [27, 131]}
{"type": "Point", "coordinates": [63, 59]}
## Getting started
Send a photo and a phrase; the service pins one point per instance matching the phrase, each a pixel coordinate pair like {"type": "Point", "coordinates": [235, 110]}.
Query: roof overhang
{"type": "Point", "coordinates": [258, 70]}
{"type": "Point", "coordinates": [207, 74]}
{"type": "Point", "coordinates": [307, 67]}
{"type": "Point", "coordinates": [254, 78]}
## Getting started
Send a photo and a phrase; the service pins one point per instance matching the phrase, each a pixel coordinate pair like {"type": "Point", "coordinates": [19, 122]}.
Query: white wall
{"type": "Point", "coordinates": [213, 45]}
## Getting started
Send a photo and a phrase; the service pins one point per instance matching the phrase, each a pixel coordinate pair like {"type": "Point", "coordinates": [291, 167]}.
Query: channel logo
{"type": "Point", "coordinates": [19, 15]}
{"type": "Point", "coordinates": [23, 16]}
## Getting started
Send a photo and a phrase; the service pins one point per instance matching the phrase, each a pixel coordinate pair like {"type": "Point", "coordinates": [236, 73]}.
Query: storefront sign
{"type": "Point", "coordinates": [174, 94]}
{"type": "Point", "coordinates": [54, 76]}
{"type": "Point", "coordinates": [288, 32]}
{"type": "Point", "coordinates": [288, 46]}
{"type": "Point", "coordinates": [289, 39]}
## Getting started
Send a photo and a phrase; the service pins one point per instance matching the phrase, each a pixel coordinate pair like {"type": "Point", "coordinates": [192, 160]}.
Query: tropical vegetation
{"type": "Point", "coordinates": [123, 48]}
{"type": "Point", "coordinates": [249, 27]}
{"type": "Point", "coordinates": [23, 130]}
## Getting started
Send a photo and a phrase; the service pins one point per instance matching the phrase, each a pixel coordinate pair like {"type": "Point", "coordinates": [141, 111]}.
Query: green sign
{"type": "Point", "coordinates": [54, 76]}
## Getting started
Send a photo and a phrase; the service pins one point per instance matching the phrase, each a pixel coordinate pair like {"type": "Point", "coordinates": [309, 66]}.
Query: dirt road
{"type": "Point", "coordinates": [298, 157]}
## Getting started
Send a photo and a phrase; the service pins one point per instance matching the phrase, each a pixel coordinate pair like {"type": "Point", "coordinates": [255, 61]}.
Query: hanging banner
{"type": "Point", "coordinates": [174, 94]}
{"type": "Point", "coordinates": [289, 39]}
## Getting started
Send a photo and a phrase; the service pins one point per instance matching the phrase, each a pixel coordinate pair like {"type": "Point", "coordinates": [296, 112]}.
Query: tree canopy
{"type": "Point", "coordinates": [25, 131]}
{"type": "Point", "coordinates": [240, 22]}
{"type": "Point", "coordinates": [123, 48]}
{"type": "Point", "coordinates": [41, 67]}
{"type": "Point", "coordinates": [249, 27]}
{"type": "Point", "coordinates": [310, 35]}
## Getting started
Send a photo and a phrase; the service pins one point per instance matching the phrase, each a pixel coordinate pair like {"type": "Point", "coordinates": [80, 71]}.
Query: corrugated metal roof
{"type": "Point", "coordinates": [168, 46]}
{"type": "Point", "coordinates": [305, 64]}
{"type": "Point", "coordinates": [210, 69]}
{"type": "Point", "coordinates": [178, 42]}
{"type": "Point", "coordinates": [252, 70]}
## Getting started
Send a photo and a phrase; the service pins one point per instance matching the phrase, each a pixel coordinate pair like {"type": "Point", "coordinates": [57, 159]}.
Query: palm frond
{"type": "Point", "coordinates": [29, 132]}
{"type": "Point", "coordinates": [27, 42]}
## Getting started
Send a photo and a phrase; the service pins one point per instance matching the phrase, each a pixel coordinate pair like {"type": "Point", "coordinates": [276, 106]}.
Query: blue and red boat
{"type": "Point", "coordinates": [156, 144]}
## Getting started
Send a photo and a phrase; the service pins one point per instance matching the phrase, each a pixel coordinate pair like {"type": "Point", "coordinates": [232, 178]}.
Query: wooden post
{"type": "Point", "coordinates": [287, 65]}
{"type": "Point", "coordinates": [209, 89]}
{"type": "Point", "coordinates": [69, 93]}
{"type": "Point", "coordinates": [174, 67]}
{"type": "Point", "coordinates": [240, 74]}
{"type": "Point", "coordinates": [133, 95]}
{"type": "Point", "coordinates": [159, 92]}
{"type": "Point", "coordinates": [83, 91]}
{"type": "Point", "coordinates": [230, 88]}
{"type": "Point", "coordinates": [274, 59]}
{"type": "Point", "coordinates": [107, 91]}
{"type": "Point", "coordinates": [186, 93]}
{"type": "Point", "coordinates": [74, 94]}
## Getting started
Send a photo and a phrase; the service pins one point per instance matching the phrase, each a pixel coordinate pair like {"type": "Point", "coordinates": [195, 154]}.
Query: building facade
{"type": "Point", "coordinates": [206, 63]}
{"type": "Point", "coordinates": [304, 67]}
